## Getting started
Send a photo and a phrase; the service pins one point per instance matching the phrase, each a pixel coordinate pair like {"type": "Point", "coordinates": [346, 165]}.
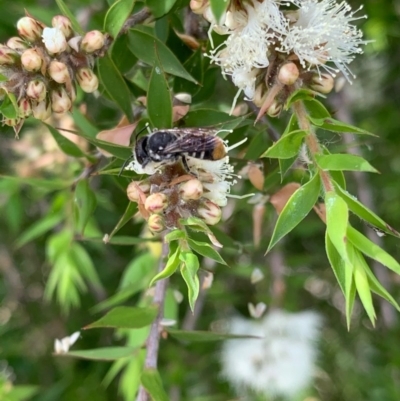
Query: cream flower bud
{"type": "Point", "coordinates": [87, 80]}
{"type": "Point", "coordinates": [156, 203]}
{"type": "Point", "coordinates": [184, 97]}
{"type": "Point", "coordinates": [60, 102]}
{"type": "Point", "coordinates": [11, 122]}
{"type": "Point", "coordinates": [259, 95]}
{"type": "Point", "coordinates": [322, 84]}
{"type": "Point", "coordinates": [7, 56]}
{"type": "Point", "coordinates": [54, 40]}
{"type": "Point", "coordinates": [209, 212]}
{"type": "Point", "coordinates": [275, 109]}
{"type": "Point", "coordinates": [136, 188]}
{"type": "Point", "coordinates": [58, 71]}
{"type": "Point", "coordinates": [191, 190]}
{"type": "Point", "coordinates": [24, 108]}
{"type": "Point", "coordinates": [198, 6]}
{"type": "Point", "coordinates": [41, 110]}
{"type": "Point", "coordinates": [92, 41]}
{"type": "Point", "coordinates": [156, 223]}
{"type": "Point", "coordinates": [31, 60]}
{"type": "Point", "coordinates": [288, 74]}
{"type": "Point", "coordinates": [29, 29]}
{"type": "Point", "coordinates": [16, 43]}
{"type": "Point", "coordinates": [36, 90]}
{"type": "Point", "coordinates": [63, 24]}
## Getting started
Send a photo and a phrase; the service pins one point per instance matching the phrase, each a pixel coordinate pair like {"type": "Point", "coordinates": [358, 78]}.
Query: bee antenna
{"type": "Point", "coordinates": [144, 128]}
{"type": "Point", "coordinates": [124, 165]}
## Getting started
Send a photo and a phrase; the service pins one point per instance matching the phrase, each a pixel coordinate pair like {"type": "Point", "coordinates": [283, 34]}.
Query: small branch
{"type": "Point", "coordinates": [135, 19]}
{"type": "Point", "coordinates": [153, 341]}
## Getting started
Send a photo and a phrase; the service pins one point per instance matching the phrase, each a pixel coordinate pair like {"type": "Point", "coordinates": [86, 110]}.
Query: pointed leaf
{"type": "Point", "coordinates": [171, 265]}
{"type": "Point", "coordinates": [102, 354]}
{"type": "Point", "coordinates": [151, 381]}
{"type": "Point", "coordinates": [144, 46]}
{"type": "Point", "coordinates": [189, 269]}
{"type": "Point", "coordinates": [126, 317]}
{"type": "Point", "coordinates": [175, 235]}
{"type": "Point", "coordinates": [372, 250]}
{"type": "Point", "coordinates": [85, 204]}
{"type": "Point", "coordinates": [205, 336]}
{"type": "Point", "coordinates": [363, 212]}
{"type": "Point", "coordinates": [337, 263]}
{"type": "Point", "coordinates": [205, 249]}
{"type": "Point", "coordinates": [330, 124]}
{"type": "Point", "coordinates": [9, 106]}
{"type": "Point", "coordinates": [159, 101]}
{"type": "Point", "coordinates": [337, 216]}
{"type": "Point", "coordinates": [301, 94]}
{"type": "Point", "coordinates": [344, 162]}
{"type": "Point", "coordinates": [160, 8]}
{"type": "Point", "coordinates": [218, 8]}
{"type": "Point", "coordinates": [287, 147]}
{"type": "Point", "coordinates": [65, 11]}
{"type": "Point", "coordinates": [117, 15]}
{"type": "Point", "coordinates": [130, 210]}
{"type": "Point", "coordinates": [115, 85]}
{"type": "Point", "coordinates": [296, 209]}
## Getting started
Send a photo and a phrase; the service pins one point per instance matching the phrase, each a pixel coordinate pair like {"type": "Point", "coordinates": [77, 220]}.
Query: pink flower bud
{"type": "Point", "coordinates": [156, 203]}
{"type": "Point", "coordinates": [209, 212]}
{"type": "Point", "coordinates": [60, 102]}
{"type": "Point", "coordinates": [36, 90]}
{"type": "Point", "coordinates": [198, 6]}
{"type": "Point", "coordinates": [191, 190]}
{"type": "Point", "coordinates": [58, 71]}
{"type": "Point", "coordinates": [8, 56]}
{"type": "Point", "coordinates": [288, 74]}
{"type": "Point", "coordinates": [54, 40]}
{"type": "Point", "coordinates": [31, 60]}
{"type": "Point", "coordinates": [156, 223]}
{"type": "Point", "coordinates": [92, 41]}
{"type": "Point", "coordinates": [87, 80]}
{"type": "Point", "coordinates": [136, 189]}
{"type": "Point", "coordinates": [63, 24]}
{"type": "Point", "coordinates": [322, 84]}
{"type": "Point", "coordinates": [24, 108]}
{"type": "Point", "coordinates": [41, 110]}
{"type": "Point", "coordinates": [16, 43]}
{"type": "Point", "coordinates": [29, 29]}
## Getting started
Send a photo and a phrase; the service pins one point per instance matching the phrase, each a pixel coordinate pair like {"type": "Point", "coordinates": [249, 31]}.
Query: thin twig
{"type": "Point", "coordinates": [135, 19]}
{"type": "Point", "coordinates": [153, 340]}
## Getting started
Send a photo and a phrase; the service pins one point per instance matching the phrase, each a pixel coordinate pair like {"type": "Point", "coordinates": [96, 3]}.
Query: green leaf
{"type": "Point", "coordinates": [159, 8]}
{"type": "Point", "coordinates": [144, 46]}
{"type": "Point", "coordinates": [363, 212]}
{"type": "Point", "coordinates": [117, 15]}
{"type": "Point", "coordinates": [196, 224]}
{"type": "Point", "coordinates": [331, 124]}
{"type": "Point", "coordinates": [102, 354]}
{"type": "Point", "coordinates": [205, 249]}
{"type": "Point", "coordinates": [175, 235]}
{"type": "Point", "coordinates": [296, 209]}
{"type": "Point", "coordinates": [172, 264]}
{"type": "Point", "coordinates": [372, 250]}
{"type": "Point", "coordinates": [85, 204]}
{"type": "Point", "coordinates": [159, 101]}
{"type": "Point", "coordinates": [257, 146]}
{"type": "Point", "coordinates": [81, 121]}
{"type": "Point", "coordinates": [189, 269]}
{"type": "Point", "coordinates": [287, 147]}
{"type": "Point", "coordinates": [285, 165]}
{"type": "Point", "coordinates": [151, 381]}
{"type": "Point", "coordinates": [316, 109]}
{"type": "Point", "coordinates": [115, 85]}
{"type": "Point", "coordinates": [21, 392]}
{"type": "Point", "coordinates": [130, 210]}
{"type": "Point", "coordinates": [9, 106]}
{"type": "Point", "coordinates": [336, 262]}
{"type": "Point", "coordinates": [301, 94]}
{"type": "Point", "coordinates": [218, 7]}
{"type": "Point", "coordinates": [124, 317]}
{"type": "Point", "coordinates": [344, 162]}
{"type": "Point", "coordinates": [205, 336]}
{"type": "Point", "coordinates": [362, 284]}
{"type": "Point", "coordinates": [215, 119]}
{"type": "Point", "coordinates": [65, 11]}
{"type": "Point", "coordinates": [337, 216]}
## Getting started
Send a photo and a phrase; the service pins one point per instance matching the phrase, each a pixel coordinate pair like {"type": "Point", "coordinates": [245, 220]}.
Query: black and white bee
{"type": "Point", "coordinates": [167, 146]}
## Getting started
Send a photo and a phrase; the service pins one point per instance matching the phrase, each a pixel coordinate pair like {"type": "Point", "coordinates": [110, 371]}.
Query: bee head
{"type": "Point", "coordinates": [141, 154]}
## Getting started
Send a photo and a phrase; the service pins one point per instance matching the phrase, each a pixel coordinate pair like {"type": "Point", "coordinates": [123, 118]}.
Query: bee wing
{"type": "Point", "coordinates": [192, 142]}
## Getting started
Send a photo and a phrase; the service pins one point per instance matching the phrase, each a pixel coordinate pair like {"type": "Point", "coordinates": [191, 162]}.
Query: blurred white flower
{"type": "Point", "coordinates": [324, 33]}
{"type": "Point", "coordinates": [54, 40]}
{"type": "Point", "coordinates": [62, 346]}
{"type": "Point", "coordinates": [282, 362]}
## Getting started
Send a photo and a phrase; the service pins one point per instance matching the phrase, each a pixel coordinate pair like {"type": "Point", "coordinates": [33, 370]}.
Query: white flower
{"type": "Point", "coordinates": [324, 33]}
{"type": "Point", "coordinates": [281, 362]}
{"type": "Point", "coordinates": [54, 40]}
{"type": "Point", "coordinates": [62, 346]}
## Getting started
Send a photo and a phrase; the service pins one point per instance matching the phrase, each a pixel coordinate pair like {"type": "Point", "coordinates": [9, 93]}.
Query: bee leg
{"type": "Point", "coordinates": [186, 166]}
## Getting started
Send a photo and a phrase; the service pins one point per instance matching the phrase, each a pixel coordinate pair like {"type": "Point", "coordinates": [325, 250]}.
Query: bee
{"type": "Point", "coordinates": [170, 145]}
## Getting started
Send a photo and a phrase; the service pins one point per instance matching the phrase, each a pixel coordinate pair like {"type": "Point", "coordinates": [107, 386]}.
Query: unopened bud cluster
{"type": "Point", "coordinates": [43, 65]}
{"type": "Point", "coordinates": [171, 194]}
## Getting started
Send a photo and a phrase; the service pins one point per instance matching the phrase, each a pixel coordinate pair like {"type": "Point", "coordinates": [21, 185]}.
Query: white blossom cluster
{"type": "Point", "coordinates": [281, 361]}
{"type": "Point", "coordinates": [310, 32]}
